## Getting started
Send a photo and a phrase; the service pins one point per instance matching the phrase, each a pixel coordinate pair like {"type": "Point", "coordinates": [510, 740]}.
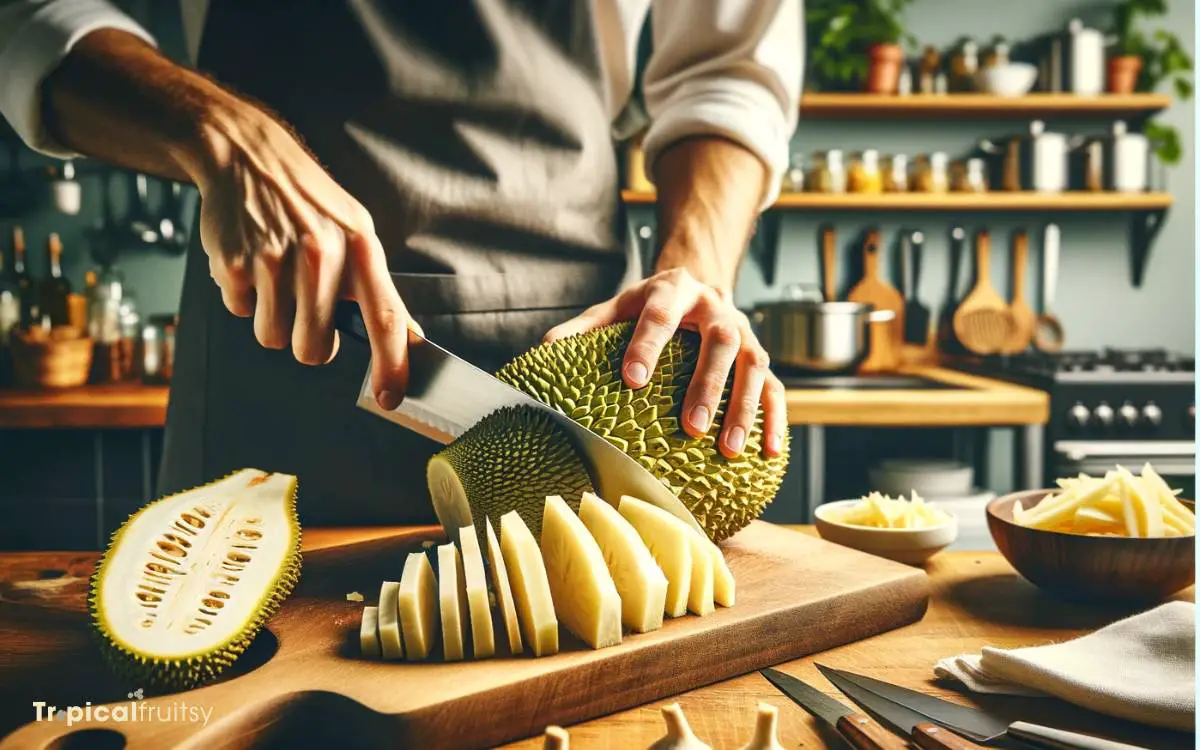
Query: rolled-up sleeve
{"type": "Point", "coordinates": [35, 35]}
{"type": "Point", "coordinates": [731, 68]}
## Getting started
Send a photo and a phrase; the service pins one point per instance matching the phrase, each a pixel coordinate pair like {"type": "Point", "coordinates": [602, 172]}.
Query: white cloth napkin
{"type": "Point", "coordinates": [1141, 668]}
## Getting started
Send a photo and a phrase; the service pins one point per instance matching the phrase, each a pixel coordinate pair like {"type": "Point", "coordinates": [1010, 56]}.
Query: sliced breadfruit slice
{"type": "Point", "coordinates": [503, 591]}
{"type": "Point", "coordinates": [483, 638]}
{"type": "Point", "coordinates": [640, 583]}
{"type": "Point", "coordinates": [452, 597]}
{"type": "Point", "coordinates": [724, 588]}
{"type": "Point", "coordinates": [667, 538]}
{"type": "Point", "coordinates": [390, 639]}
{"type": "Point", "coordinates": [585, 597]}
{"type": "Point", "coordinates": [418, 607]}
{"type": "Point", "coordinates": [700, 592]}
{"type": "Point", "coordinates": [530, 588]}
{"type": "Point", "coordinates": [368, 633]}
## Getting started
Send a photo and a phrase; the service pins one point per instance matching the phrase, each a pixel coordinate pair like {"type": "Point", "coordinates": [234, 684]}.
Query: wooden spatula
{"type": "Point", "coordinates": [828, 261]}
{"type": "Point", "coordinates": [982, 322]}
{"type": "Point", "coordinates": [1024, 321]}
{"type": "Point", "coordinates": [886, 338]}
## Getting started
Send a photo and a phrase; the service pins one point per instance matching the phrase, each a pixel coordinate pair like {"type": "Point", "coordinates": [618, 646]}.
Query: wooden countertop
{"type": "Point", "coordinates": [977, 600]}
{"type": "Point", "coordinates": [984, 402]}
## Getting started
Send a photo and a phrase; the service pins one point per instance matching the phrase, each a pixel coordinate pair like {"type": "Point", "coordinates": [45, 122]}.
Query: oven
{"type": "Point", "coordinates": [1174, 460]}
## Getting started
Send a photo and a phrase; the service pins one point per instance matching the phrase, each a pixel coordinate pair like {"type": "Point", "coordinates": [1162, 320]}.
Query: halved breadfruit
{"type": "Point", "coordinates": [503, 591]}
{"type": "Point", "coordinates": [585, 597]}
{"type": "Point", "coordinates": [483, 639]}
{"type": "Point", "coordinates": [668, 540]}
{"type": "Point", "coordinates": [189, 580]}
{"type": "Point", "coordinates": [640, 583]}
{"type": "Point", "coordinates": [418, 607]}
{"type": "Point", "coordinates": [452, 598]}
{"type": "Point", "coordinates": [530, 587]}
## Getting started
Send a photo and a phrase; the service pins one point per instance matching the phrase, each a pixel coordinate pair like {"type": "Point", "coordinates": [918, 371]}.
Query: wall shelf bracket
{"type": "Point", "coordinates": [1144, 227]}
{"type": "Point", "coordinates": [767, 236]}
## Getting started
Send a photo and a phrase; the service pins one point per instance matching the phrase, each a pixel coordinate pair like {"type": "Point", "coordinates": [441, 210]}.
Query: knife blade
{"type": "Point", "coordinates": [924, 733]}
{"type": "Point", "coordinates": [979, 725]}
{"type": "Point", "coordinates": [857, 729]}
{"type": "Point", "coordinates": [447, 395]}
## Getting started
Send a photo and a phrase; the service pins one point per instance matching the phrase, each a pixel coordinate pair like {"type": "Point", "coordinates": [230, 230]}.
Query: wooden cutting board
{"type": "Point", "coordinates": [304, 683]}
{"type": "Point", "coordinates": [886, 338]}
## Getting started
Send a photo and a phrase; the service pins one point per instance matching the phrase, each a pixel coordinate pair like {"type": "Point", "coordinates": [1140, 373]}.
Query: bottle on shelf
{"type": "Point", "coordinates": [55, 291]}
{"type": "Point", "coordinates": [895, 177]}
{"type": "Point", "coordinates": [10, 302]}
{"type": "Point", "coordinates": [26, 293]}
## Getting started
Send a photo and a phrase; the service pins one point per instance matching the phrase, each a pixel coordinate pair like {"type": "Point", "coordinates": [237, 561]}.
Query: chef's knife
{"type": "Point", "coordinates": [857, 729]}
{"type": "Point", "coordinates": [976, 724]}
{"type": "Point", "coordinates": [924, 733]}
{"type": "Point", "coordinates": [446, 396]}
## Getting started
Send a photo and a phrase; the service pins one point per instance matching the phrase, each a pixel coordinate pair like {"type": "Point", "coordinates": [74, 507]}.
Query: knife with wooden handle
{"type": "Point", "coordinates": [856, 728]}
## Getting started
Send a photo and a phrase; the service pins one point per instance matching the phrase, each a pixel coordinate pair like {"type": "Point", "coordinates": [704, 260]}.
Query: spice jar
{"type": "Point", "coordinates": [793, 179]}
{"type": "Point", "coordinates": [865, 176]}
{"type": "Point", "coordinates": [158, 349]}
{"type": "Point", "coordinates": [837, 170]}
{"type": "Point", "coordinates": [895, 177]}
{"type": "Point", "coordinates": [931, 174]}
{"type": "Point", "coordinates": [963, 65]}
{"type": "Point", "coordinates": [931, 61]}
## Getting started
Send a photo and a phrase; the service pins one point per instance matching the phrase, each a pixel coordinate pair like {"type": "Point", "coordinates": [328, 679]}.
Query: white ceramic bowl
{"type": "Point", "coordinates": [911, 546]}
{"type": "Point", "coordinates": [1011, 79]}
{"type": "Point", "coordinates": [928, 477]}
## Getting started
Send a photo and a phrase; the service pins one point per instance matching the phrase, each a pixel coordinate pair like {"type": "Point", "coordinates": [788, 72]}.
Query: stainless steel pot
{"type": "Point", "coordinates": [812, 335]}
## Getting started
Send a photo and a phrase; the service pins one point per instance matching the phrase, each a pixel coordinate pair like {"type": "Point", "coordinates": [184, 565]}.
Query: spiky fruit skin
{"type": "Point", "coordinates": [173, 675]}
{"type": "Point", "coordinates": [511, 460]}
{"type": "Point", "coordinates": [580, 376]}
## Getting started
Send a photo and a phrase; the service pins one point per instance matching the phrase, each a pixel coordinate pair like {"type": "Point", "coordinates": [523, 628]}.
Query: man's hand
{"type": "Point", "coordinates": [674, 299]}
{"type": "Point", "coordinates": [285, 242]}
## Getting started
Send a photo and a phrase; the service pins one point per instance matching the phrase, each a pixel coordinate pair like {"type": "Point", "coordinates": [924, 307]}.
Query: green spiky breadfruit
{"type": "Point", "coordinates": [511, 460]}
{"type": "Point", "coordinates": [189, 580]}
{"type": "Point", "coordinates": [581, 377]}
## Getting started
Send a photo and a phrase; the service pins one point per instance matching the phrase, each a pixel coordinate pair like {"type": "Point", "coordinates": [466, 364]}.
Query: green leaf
{"type": "Point", "coordinates": [1183, 88]}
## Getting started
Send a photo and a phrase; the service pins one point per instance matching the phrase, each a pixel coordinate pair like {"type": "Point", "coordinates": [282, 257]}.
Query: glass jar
{"type": "Point", "coordinates": [895, 177]}
{"type": "Point", "coordinates": [837, 170]}
{"type": "Point", "coordinates": [865, 176]}
{"type": "Point", "coordinates": [932, 173]}
{"type": "Point", "coordinates": [157, 346]}
{"type": "Point", "coordinates": [793, 179]}
{"type": "Point", "coordinates": [970, 176]}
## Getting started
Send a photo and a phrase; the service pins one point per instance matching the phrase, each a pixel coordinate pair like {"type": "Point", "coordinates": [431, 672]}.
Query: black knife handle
{"type": "Point", "coordinates": [932, 737]}
{"type": "Point", "coordinates": [864, 734]}
{"type": "Point", "coordinates": [347, 319]}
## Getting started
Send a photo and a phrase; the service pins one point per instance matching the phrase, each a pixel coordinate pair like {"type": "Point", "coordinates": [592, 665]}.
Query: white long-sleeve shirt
{"type": "Point", "coordinates": [725, 67]}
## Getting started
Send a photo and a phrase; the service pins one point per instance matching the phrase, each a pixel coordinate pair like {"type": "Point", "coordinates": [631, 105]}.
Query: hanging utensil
{"type": "Point", "coordinates": [946, 338]}
{"type": "Point", "coordinates": [982, 322]}
{"type": "Point", "coordinates": [828, 261]}
{"type": "Point", "coordinates": [1024, 321]}
{"type": "Point", "coordinates": [171, 231]}
{"type": "Point", "coordinates": [1049, 336]}
{"type": "Point", "coordinates": [886, 337]}
{"type": "Point", "coordinates": [140, 225]}
{"type": "Point", "coordinates": [916, 315]}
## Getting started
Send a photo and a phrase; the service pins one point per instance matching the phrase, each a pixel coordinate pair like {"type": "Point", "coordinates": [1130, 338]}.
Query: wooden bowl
{"type": "Point", "coordinates": [61, 359]}
{"type": "Point", "coordinates": [1092, 568]}
{"type": "Point", "coordinates": [909, 546]}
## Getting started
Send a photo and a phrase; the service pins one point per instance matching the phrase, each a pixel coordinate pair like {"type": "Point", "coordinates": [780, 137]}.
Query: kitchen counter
{"type": "Point", "coordinates": [122, 405]}
{"type": "Point", "coordinates": [976, 600]}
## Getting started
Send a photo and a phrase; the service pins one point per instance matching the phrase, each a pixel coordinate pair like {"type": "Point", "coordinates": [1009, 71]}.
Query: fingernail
{"type": "Point", "coordinates": [774, 444]}
{"type": "Point", "coordinates": [736, 439]}
{"type": "Point", "coordinates": [699, 418]}
{"type": "Point", "coordinates": [387, 400]}
{"type": "Point", "coordinates": [637, 373]}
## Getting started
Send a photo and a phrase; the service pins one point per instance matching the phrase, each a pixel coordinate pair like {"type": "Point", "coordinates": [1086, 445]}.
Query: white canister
{"type": "Point", "coordinates": [1085, 59]}
{"type": "Point", "coordinates": [1048, 162]}
{"type": "Point", "coordinates": [1130, 160]}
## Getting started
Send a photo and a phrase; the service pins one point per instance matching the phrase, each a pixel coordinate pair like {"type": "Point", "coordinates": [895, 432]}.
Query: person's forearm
{"type": "Point", "coordinates": [117, 99]}
{"type": "Point", "coordinates": [709, 192]}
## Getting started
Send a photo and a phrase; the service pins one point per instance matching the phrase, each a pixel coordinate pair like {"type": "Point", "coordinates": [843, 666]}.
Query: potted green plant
{"type": "Point", "coordinates": [857, 44]}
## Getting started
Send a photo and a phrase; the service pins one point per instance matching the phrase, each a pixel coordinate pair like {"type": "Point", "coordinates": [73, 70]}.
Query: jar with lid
{"type": "Point", "coordinates": [895, 177]}
{"type": "Point", "coordinates": [963, 65]}
{"type": "Point", "coordinates": [969, 176]}
{"type": "Point", "coordinates": [931, 63]}
{"type": "Point", "coordinates": [157, 349]}
{"type": "Point", "coordinates": [932, 173]}
{"type": "Point", "coordinates": [837, 170]}
{"type": "Point", "coordinates": [865, 176]}
{"type": "Point", "coordinates": [793, 179]}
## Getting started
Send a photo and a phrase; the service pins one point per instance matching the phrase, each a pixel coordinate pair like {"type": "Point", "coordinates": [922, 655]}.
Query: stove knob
{"type": "Point", "coordinates": [1104, 414]}
{"type": "Point", "coordinates": [1129, 415]}
{"type": "Point", "coordinates": [1078, 415]}
{"type": "Point", "coordinates": [1152, 414]}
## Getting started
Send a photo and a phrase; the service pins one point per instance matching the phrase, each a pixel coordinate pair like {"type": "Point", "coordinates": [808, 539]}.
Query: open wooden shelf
{"type": "Point", "coordinates": [994, 201]}
{"type": "Point", "coordinates": [980, 106]}
{"type": "Point", "coordinates": [121, 405]}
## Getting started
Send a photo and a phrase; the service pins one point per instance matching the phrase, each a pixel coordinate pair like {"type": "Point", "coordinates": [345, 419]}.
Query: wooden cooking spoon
{"type": "Point", "coordinates": [828, 259]}
{"type": "Point", "coordinates": [886, 337]}
{"type": "Point", "coordinates": [1023, 318]}
{"type": "Point", "coordinates": [982, 322]}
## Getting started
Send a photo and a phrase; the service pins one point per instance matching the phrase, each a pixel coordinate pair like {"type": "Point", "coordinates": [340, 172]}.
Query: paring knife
{"type": "Point", "coordinates": [446, 396]}
{"type": "Point", "coordinates": [974, 723]}
{"type": "Point", "coordinates": [857, 729]}
{"type": "Point", "coordinates": [923, 732]}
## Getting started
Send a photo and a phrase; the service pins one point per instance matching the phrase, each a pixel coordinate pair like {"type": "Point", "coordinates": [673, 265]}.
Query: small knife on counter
{"type": "Point", "coordinates": [857, 729]}
{"type": "Point", "coordinates": [972, 723]}
{"type": "Point", "coordinates": [448, 395]}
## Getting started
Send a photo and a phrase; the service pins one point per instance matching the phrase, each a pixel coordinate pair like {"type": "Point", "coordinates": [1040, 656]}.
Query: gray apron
{"type": "Point", "coordinates": [475, 133]}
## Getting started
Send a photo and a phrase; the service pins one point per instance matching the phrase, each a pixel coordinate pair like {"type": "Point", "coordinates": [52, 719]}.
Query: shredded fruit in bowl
{"type": "Point", "coordinates": [885, 512]}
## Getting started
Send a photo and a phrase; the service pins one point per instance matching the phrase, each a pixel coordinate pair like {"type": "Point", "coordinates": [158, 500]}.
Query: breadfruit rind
{"type": "Point", "coordinates": [511, 460]}
{"type": "Point", "coordinates": [189, 580]}
{"type": "Point", "coordinates": [580, 376]}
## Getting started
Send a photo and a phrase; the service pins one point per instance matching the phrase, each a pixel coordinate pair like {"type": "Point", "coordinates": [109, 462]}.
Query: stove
{"type": "Point", "coordinates": [1110, 406]}
{"type": "Point", "coordinates": [863, 382]}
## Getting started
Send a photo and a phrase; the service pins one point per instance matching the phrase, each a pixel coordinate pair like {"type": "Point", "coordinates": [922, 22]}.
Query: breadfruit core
{"type": "Point", "coordinates": [511, 460]}
{"type": "Point", "coordinates": [189, 580]}
{"type": "Point", "coordinates": [580, 376]}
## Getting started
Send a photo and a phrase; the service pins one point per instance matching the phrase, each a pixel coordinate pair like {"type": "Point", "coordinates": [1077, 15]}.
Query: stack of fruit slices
{"type": "Point", "coordinates": [600, 573]}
